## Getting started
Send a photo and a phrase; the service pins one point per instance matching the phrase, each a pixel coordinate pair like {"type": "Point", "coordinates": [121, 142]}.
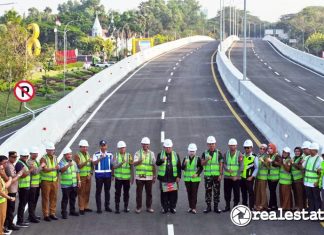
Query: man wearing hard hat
{"type": "Point", "coordinates": [233, 167]}
{"type": "Point", "coordinates": [305, 147]}
{"type": "Point", "coordinates": [192, 169]}
{"type": "Point", "coordinates": [23, 185]}
{"type": "Point", "coordinates": [144, 163]}
{"type": "Point", "coordinates": [70, 182]}
{"type": "Point", "coordinates": [212, 160]}
{"type": "Point", "coordinates": [49, 183]}
{"type": "Point", "coordinates": [84, 162]}
{"type": "Point", "coordinates": [250, 171]}
{"type": "Point", "coordinates": [312, 164]}
{"type": "Point", "coordinates": [169, 174]}
{"type": "Point", "coordinates": [124, 175]}
{"type": "Point", "coordinates": [34, 184]}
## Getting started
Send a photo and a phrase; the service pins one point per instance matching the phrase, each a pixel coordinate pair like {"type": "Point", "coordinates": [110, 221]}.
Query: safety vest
{"type": "Point", "coordinates": [285, 176]}
{"type": "Point", "coordinates": [69, 177]}
{"type": "Point", "coordinates": [85, 170]}
{"type": "Point", "coordinates": [296, 173]}
{"type": "Point", "coordinates": [273, 171]}
{"type": "Point", "coordinates": [191, 169]}
{"type": "Point", "coordinates": [263, 169]}
{"type": "Point", "coordinates": [248, 162]}
{"type": "Point", "coordinates": [146, 167]}
{"type": "Point", "coordinates": [24, 182]}
{"type": "Point", "coordinates": [320, 184]}
{"type": "Point", "coordinates": [212, 166]}
{"type": "Point", "coordinates": [310, 171]}
{"type": "Point", "coordinates": [35, 179]}
{"type": "Point", "coordinates": [52, 175]}
{"type": "Point", "coordinates": [3, 189]}
{"type": "Point", "coordinates": [124, 171]}
{"type": "Point", "coordinates": [174, 160]}
{"type": "Point", "coordinates": [232, 163]}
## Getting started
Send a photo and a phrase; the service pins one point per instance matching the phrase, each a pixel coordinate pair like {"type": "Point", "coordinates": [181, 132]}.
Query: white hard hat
{"type": "Point", "coordinates": [248, 143]}
{"type": "Point", "coordinates": [306, 144]}
{"type": "Point", "coordinates": [314, 146]}
{"type": "Point", "coordinates": [145, 140]}
{"type": "Point", "coordinates": [50, 146]}
{"type": "Point", "coordinates": [192, 147]}
{"type": "Point", "coordinates": [121, 144]}
{"type": "Point", "coordinates": [66, 150]}
{"type": "Point", "coordinates": [232, 142]}
{"type": "Point", "coordinates": [211, 140]}
{"type": "Point", "coordinates": [168, 143]}
{"type": "Point", "coordinates": [286, 149]}
{"type": "Point", "coordinates": [34, 150]}
{"type": "Point", "coordinates": [83, 143]}
{"type": "Point", "coordinates": [24, 152]}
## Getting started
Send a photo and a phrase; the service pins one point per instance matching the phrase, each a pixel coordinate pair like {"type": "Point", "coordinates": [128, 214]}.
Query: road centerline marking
{"type": "Point", "coordinates": [302, 88]}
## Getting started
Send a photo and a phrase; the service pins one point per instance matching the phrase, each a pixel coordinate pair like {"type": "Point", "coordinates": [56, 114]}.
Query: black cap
{"type": "Point", "coordinates": [102, 142]}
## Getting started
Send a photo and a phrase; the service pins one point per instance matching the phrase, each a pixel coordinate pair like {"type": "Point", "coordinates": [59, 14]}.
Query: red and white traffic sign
{"type": "Point", "coordinates": [24, 91]}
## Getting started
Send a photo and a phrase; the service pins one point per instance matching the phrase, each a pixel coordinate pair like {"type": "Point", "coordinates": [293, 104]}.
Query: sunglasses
{"type": "Point", "coordinates": [247, 147]}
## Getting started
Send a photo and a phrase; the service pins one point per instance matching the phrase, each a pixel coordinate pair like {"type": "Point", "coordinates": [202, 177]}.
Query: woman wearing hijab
{"type": "Point", "coordinates": [285, 181]}
{"type": "Point", "coordinates": [297, 177]}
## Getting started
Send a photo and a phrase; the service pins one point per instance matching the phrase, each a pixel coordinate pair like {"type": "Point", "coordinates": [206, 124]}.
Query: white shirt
{"type": "Point", "coordinates": [312, 162]}
{"type": "Point", "coordinates": [137, 158]}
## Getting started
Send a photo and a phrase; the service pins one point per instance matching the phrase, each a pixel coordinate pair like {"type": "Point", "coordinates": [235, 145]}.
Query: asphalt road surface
{"type": "Point", "coordinates": [193, 109]}
{"type": "Point", "coordinates": [296, 87]}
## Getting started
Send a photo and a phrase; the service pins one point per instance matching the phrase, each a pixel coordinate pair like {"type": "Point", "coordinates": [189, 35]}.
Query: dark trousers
{"type": "Point", "coordinates": [212, 186]}
{"type": "Point", "coordinates": [140, 184]}
{"type": "Point", "coordinates": [100, 182]}
{"type": "Point", "coordinates": [192, 191]}
{"type": "Point", "coordinates": [23, 200]}
{"type": "Point", "coordinates": [230, 185]}
{"type": "Point", "coordinates": [273, 194]}
{"type": "Point", "coordinates": [10, 211]}
{"type": "Point", "coordinates": [169, 199]}
{"type": "Point", "coordinates": [32, 201]}
{"type": "Point", "coordinates": [313, 195]}
{"type": "Point", "coordinates": [247, 189]}
{"type": "Point", "coordinates": [69, 196]}
{"type": "Point", "coordinates": [119, 184]}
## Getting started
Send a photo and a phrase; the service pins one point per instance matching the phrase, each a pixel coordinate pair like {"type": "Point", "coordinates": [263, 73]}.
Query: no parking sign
{"type": "Point", "coordinates": [24, 91]}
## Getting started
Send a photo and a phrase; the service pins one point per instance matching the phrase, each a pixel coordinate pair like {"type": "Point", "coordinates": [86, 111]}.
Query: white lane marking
{"type": "Point", "coordinates": [174, 68]}
{"type": "Point", "coordinates": [164, 99]}
{"type": "Point", "coordinates": [171, 74]}
{"type": "Point", "coordinates": [269, 67]}
{"type": "Point", "coordinates": [170, 229]}
{"type": "Point", "coordinates": [11, 133]}
{"type": "Point", "coordinates": [180, 60]}
{"type": "Point", "coordinates": [261, 60]}
{"type": "Point", "coordinates": [191, 52]}
{"type": "Point", "coordinates": [295, 62]}
{"type": "Point", "coordinates": [166, 88]}
{"type": "Point", "coordinates": [265, 64]}
{"type": "Point", "coordinates": [287, 80]}
{"type": "Point", "coordinates": [302, 88]}
{"type": "Point", "coordinates": [319, 98]}
{"type": "Point", "coordinates": [183, 57]}
{"type": "Point", "coordinates": [177, 63]}
{"type": "Point", "coordinates": [169, 80]}
{"type": "Point", "coordinates": [256, 54]}
{"type": "Point", "coordinates": [162, 136]}
{"type": "Point", "coordinates": [163, 115]}
{"type": "Point", "coordinates": [187, 54]}
{"type": "Point", "coordinates": [277, 73]}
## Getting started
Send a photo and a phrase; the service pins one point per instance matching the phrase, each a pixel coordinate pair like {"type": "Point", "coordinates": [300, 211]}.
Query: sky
{"type": "Point", "coordinates": [269, 10]}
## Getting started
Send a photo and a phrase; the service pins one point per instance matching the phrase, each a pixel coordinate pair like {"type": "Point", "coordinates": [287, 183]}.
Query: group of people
{"type": "Point", "coordinates": [300, 177]}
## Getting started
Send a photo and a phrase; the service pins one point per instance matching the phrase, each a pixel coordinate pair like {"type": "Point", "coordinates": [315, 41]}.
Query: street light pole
{"type": "Point", "coordinates": [244, 52]}
{"type": "Point", "coordinates": [220, 24]}
{"type": "Point", "coordinates": [230, 18]}
{"type": "Point", "coordinates": [224, 12]}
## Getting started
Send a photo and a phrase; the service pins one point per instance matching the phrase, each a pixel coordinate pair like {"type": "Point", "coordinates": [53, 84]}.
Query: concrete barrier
{"type": "Point", "coordinates": [276, 122]}
{"type": "Point", "coordinates": [52, 124]}
{"type": "Point", "coordinates": [310, 61]}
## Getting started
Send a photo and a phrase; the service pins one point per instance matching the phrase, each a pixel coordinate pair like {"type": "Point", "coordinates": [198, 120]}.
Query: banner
{"type": "Point", "coordinates": [71, 57]}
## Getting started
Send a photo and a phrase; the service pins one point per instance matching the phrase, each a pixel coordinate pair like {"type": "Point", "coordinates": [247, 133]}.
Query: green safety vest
{"type": "Point", "coordinates": [3, 189]}
{"type": "Point", "coordinates": [310, 171]}
{"type": "Point", "coordinates": [124, 171]}
{"type": "Point", "coordinates": [69, 177]}
{"type": "Point", "coordinates": [85, 170]}
{"type": "Point", "coordinates": [247, 162]}
{"type": "Point", "coordinates": [296, 173]}
{"type": "Point", "coordinates": [52, 175]}
{"type": "Point", "coordinates": [24, 182]}
{"type": "Point", "coordinates": [232, 163]}
{"type": "Point", "coordinates": [320, 184]}
{"type": "Point", "coordinates": [273, 171]}
{"type": "Point", "coordinates": [284, 176]}
{"type": "Point", "coordinates": [191, 169]}
{"type": "Point", "coordinates": [263, 169]}
{"type": "Point", "coordinates": [35, 179]}
{"type": "Point", "coordinates": [146, 167]}
{"type": "Point", "coordinates": [212, 167]}
{"type": "Point", "coordinates": [174, 160]}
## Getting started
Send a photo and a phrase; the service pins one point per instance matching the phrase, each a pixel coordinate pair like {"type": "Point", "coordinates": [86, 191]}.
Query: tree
{"type": "Point", "coordinates": [315, 43]}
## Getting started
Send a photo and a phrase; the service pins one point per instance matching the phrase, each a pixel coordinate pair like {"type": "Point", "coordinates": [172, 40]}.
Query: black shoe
{"type": "Point", "coordinates": [13, 227]}
{"type": "Point", "coordinates": [173, 211]}
{"type": "Point", "coordinates": [88, 210]}
{"type": "Point", "coordinates": [117, 212]}
{"type": "Point", "coordinates": [47, 218]}
{"type": "Point", "coordinates": [38, 217]}
{"type": "Point", "coordinates": [22, 225]}
{"type": "Point", "coordinates": [34, 220]}
{"type": "Point", "coordinates": [64, 216]}
{"type": "Point", "coordinates": [216, 210]}
{"type": "Point", "coordinates": [207, 210]}
{"type": "Point", "coordinates": [117, 208]}
{"type": "Point", "coordinates": [53, 217]}
{"type": "Point", "coordinates": [108, 209]}
{"type": "Point", "coordinates": [6, 231]}
{"type": "Point", "coordinates": [73, 213]}
{"type": "Point", "coordinates": [81, 212]}
{"type": "Point", "coordinates": [227, 209]}
{"type": "Point", "coordinates": [126, 210]}
{"type": "Point", "coordinates": [99, 211]}
{"type": "Point", "coordinates": [164, 211]}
